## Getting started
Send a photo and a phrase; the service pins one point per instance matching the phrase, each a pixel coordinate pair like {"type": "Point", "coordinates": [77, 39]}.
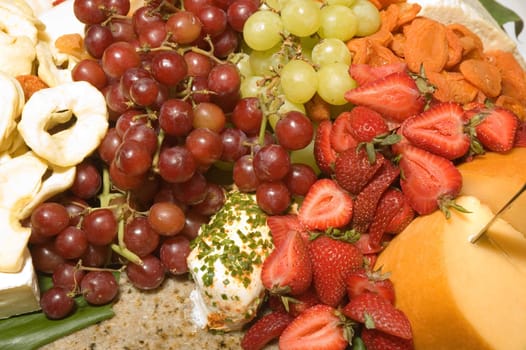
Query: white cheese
{"type": "Point", "coordinates": [226, 265]}
{"type": "Point", "coordinates": [19, 292]}
{"type": "Point", "coordinates": [475, 17]}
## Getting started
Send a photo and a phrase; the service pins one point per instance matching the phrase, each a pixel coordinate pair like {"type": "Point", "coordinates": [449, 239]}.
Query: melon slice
{"type": "Point", "coordinates": [459, 295]}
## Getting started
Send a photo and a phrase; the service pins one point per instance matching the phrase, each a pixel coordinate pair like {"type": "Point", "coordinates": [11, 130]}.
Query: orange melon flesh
{"type": "Point", "coordinates": [460, 295]}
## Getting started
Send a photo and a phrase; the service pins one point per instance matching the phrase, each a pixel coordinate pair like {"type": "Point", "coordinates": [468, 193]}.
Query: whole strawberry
{"type": "Point", "coordinates": [353, 169]}
{"type": "Point", "coordinates": [265, 329]}
{"type": "Point", "coordinates": [332, 263]}
{"type": "Point", "coordinates": [377, 340]}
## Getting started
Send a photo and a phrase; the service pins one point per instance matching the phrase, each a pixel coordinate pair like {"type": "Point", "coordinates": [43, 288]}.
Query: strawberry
{"type": "Point", "coordinates": [390, 203]}
{"type": "Point", "coordinates": [428, 181]}
{"type": "Point", "coordinates": [366, 124]}
{"type": "Point", "coordinates": [353, 169]}
{"type": "Point", "coordinates": [318, 327]}
{"type": "Point", "coordinates": [293, 305]}
{"type": "Point", "coordinates": [364, 245]}
{"type": "Point", "coordinates": [365, 73]}
{"type": "Point", "coordinates": [332, 262]}
{"type": "Point", "coordinates": [439, 130]}
{"type": "Point", "coordinates": [326, 205]}
{"type": "Point", "coordinates": [342, 134]}
{"type": "Point", "coordinates": [323, 151]}
{"type": "Point", "coordinates": [362, 281]}
{"type": "Point", "coordinates": [281, 225]}
{"type": "Point", "coordinates": [265, 329]}
{"type": "Point", "coordinates": [288, 270]}
{"type": "Point", "coordinates": [401, 219]}
{"type": "Point", "coordinates": [377, 312]}
{"type": "Point", "coordinates": [497, 128]}
{"type": "Point", "coordinates": [377, 340]}
{"type": "Point", "coordinates": [395, 96]}
{"type": "Point", "coordinates": [367, 200]}
{"type": "Point", "coordinates": [520, 137]}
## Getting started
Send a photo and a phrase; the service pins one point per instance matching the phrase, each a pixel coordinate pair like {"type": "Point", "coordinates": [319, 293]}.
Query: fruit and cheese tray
{"type": "Point", "coordinates": [262, 174]}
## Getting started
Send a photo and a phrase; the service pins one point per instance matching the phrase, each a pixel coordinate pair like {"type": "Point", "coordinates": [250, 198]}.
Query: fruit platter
{"type": "Point", "coordinates": [262, 174]}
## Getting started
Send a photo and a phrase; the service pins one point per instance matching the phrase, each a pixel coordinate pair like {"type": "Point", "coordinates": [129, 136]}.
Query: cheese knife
{"type": "Point", "coordinates": [475, 237]}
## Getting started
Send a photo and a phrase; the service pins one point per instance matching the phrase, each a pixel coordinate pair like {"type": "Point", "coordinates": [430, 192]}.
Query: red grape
{"type": "Point", "coordinates": [100, 226]}
{"type": "Point", "coordinates": [99, 287]}
{"type": "Point", "coordinates": [173, 254]}
{"type": "Point", "coordinates": [71, 243]}
{"type": "Point", "coordinates": [166, 218]}
{"type": "Point", "coordinates": [271, 163]}
{"type": "Point", "coordinates": [56, 303]}
{"type": "Point", "coordinates": [294, 131]}
{"type": "Point", "coordinates": [176, 164]}
{"type": "Point", "coordinates": [140, 237]}
{"type": "Point", "coordinates": [147, 276]}
{"type": "Point", "coordinates": [273, 197]}
{"type": "Point", "coordinates": [49, 218]}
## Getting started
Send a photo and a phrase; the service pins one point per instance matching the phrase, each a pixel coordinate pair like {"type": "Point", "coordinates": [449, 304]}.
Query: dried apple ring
{"type": "Point", "coordinates": [12, 102]}
{"type": "Point", "coordinates": [76, 111]}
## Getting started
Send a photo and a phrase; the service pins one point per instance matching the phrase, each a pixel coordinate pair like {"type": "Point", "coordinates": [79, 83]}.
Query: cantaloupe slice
{"type": "Point", "coordinates": [460, 295]}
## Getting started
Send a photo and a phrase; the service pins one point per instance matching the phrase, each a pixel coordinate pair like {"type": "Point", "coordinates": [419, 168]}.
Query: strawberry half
{"type": "Point", "coordinates": [362, 281]}
{"type": "Point", "coordinates": [376, 312]}
{"type": "Point", "coordinates": [365, 73]}
{"type": "Point", "coordinates": [318, 327]}
{"type": "Point", "coordinates": [401, 219]}
{"type": "Point", "coordinates": [429, 181]}
{"type": "Point", "coordinates": [353, 169]}
{"type": "Point", "coordinates": [342, 137]}
{"type": "Point", "coordinates": [326, 205]}
{"type": "Point", "coordinates": [395, 96]}
{"type": "Point", "coordinates": [265, 329]}
{"type": "Point", "coordinates": [439, 130]}
{"type": "Point", "coordinates": [332, 262]}
{"type": "Point", "coordinates": [288, 270]}
{"type": "Point", "coordinates": [377, 340]}
{"type": "Point", "coordinates": [323, 151]}
{"type": "Point", "coordinates": [281, 225]}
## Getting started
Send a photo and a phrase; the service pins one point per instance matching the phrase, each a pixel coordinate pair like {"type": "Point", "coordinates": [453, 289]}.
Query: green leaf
{"type": "Point", "coordinates": [503, 15]}
{"type": "Point", "coordinates": [31, 331]}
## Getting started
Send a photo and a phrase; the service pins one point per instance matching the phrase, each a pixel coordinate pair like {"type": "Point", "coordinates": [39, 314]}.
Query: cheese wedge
{"type": "Point", "coordinates": [19, 292]}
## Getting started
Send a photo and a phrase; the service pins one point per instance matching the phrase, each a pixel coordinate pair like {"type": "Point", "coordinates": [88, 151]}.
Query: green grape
{"type": "Point", "coordinates": [305, 156]}
{"type": "Point", "coordinates": [250, 86]}
{"type": "Point", "coordinates": [301, 17]}
{"type": "Point", "coordinates": [243, 64]}
{"type": "Point", "coordinates": [333, 81]}
{"type": "Point", "coordinates": [347, 3]}
{"type": "Point", "coordinates": [299, 81]}
{"type": "Point", "coordinates": [273, 4]}
{"type": "Point", "coordinates": [337, 21]}
{"type": "Point", "coordinates": [330, 51]}
{"type": "Point", "coordinates": [261, 62]}
{"type": "Point", "coordinates": [368, 16]}
{"type": "Point", "coordinates": [262, 30]}
{"type": "Point", "coordinates": [288, 106]}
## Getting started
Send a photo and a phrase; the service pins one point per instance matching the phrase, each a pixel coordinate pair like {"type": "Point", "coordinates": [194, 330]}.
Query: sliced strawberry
{"type": "Point", "coordinates": [395, 96]}
{"type": "Point", "coordinates": [401, 219]}
{"type": "Point", "coordinates": [429, 181]}
{"type": "Point", "coordinates": [366, 124]}
{"type": "Point", "coordinates": [323, 151]}
{"type": "Point", "coordinates": [325, 205]}
{"type": "Point", "coordinates": [439, 130]}
{"type": "Point", "coordinates": [265, 329]}
{"type": "Point", "coordinates": [520, 137]}
{"type": "Point", "coordinates": [377, 340]}
{"type": "Point", "coordinates": [365, 73]}
{"type": "Point", "coordinates": [497, 130]}
{"type": "Point", "coordinates": [364, 245]}
{"type": "Point", "coordinates": [378, 313]}
{"type": "Point", "coordinates": [390, 203]}
{"type": "Point", "coordinates": [342, 134]}
{"type": "Point", "coordinates": [332, 262]}
{"type": "Point", "coordinates": [318, 327]}
{"type": "Point", "coordinates": [303, 302]}
{"type": "Point", "coordinates": [362, 281]}
{"type": "Point", "coordinates": [367, 200]}
{"type": "Point", "coordinates": [353, 169]}
{"type": "Point", "coordinates": [288, 270]}
{"type": "Point", "coordinates": [281, 225]}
